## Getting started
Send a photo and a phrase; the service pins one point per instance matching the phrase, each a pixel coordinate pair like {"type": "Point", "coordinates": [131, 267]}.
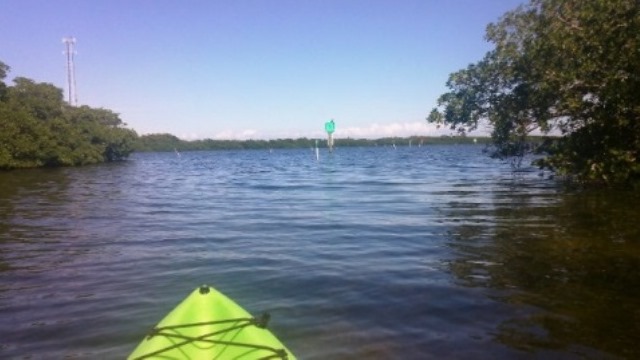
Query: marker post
{"type": "Point", "coordinates": [330, 127]}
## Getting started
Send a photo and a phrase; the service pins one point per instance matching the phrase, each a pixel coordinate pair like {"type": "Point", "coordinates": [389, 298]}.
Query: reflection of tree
{"type": "Point", "coordinates": [36, 214]}
{"type": "Point", "coordinates": [573, 258]}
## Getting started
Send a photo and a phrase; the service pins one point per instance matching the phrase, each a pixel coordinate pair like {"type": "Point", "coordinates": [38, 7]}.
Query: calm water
{"type": "Point", "coordinates": [414, 253]}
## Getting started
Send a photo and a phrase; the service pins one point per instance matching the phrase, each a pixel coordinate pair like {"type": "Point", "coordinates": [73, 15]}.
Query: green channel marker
{"type": "Point", "coordinates": [330, 126]}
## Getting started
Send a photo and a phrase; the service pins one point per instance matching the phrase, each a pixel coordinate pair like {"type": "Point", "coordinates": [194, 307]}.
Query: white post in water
{"type": "Point", "coordinates": [330, 127]}
{"type": "Point", "coordinates": [317, 151]}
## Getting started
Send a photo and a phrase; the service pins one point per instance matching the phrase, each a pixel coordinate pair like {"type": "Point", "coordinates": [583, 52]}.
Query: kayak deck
{"type": "Point", "coordinates": [209, 325]}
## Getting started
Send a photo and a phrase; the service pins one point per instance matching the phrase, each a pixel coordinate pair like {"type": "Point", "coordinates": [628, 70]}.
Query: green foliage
{"type": "Point", "coordinates": [159, 142]}
{"type": "Point", "coordinates": [43, 101]}
{"type": "Point", "coordinates": [38, 129]}
{"type": "Point", "coordinates": [168, 142]}
{"type": "Point", "coordinates": [565, 67]}
{"type": "Point", "coordinates": [4, 69]}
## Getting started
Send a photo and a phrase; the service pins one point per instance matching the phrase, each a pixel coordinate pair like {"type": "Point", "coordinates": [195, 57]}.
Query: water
{"type": "Point", "coordinates": [407, 253]}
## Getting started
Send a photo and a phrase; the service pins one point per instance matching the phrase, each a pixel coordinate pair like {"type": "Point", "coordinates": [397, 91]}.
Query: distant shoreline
{"type": "Point", "coordinates": [168, 142]}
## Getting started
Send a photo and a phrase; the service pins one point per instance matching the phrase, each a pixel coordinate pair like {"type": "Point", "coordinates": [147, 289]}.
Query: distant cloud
{"type": "Point", "coordinates": [190, 136]}
{"type": "Point", "coordinates": [236, 135]}
{"type": "Point", "coordinates": [395, 129]}
{"type": "Point", "coordinates": [373, 131]}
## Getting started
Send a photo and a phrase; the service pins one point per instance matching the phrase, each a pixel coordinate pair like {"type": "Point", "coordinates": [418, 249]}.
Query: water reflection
{"type": "Point", "coordinates": [27, 199]}
{"type": "Point", "coordinates": [433, 252]}
{"type": "Point", "coordinates": [570, 262]}
{"type": "Point", "coordinates": [49, 217]}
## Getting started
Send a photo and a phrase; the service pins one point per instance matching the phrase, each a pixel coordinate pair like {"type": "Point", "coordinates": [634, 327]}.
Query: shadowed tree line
{"type": "Point", "coordinates": [168, 142]}
{"type": "Point", "coordinates": [39, 129]}
{"type": "Point", "coordinates": [569, 67]}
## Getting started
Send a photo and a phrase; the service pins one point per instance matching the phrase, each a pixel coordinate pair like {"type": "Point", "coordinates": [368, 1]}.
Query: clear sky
{"type": "Point", "coordinates": [260, 69]}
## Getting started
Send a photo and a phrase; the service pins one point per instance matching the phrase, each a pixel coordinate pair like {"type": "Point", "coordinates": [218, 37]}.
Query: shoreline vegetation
{"type": "Point", "coordinates": [39, 129]}
{"type": "Point", "coordinates": [169, 142]}
{"type": "Point", "coordinates": [568, 67]}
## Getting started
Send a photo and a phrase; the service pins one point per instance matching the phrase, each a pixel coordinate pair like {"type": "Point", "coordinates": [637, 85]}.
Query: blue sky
{"type": "Point", "coordinates": [240, 69]}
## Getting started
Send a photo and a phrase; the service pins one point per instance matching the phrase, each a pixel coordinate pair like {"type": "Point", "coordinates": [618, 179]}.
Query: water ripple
{"type": "Point", "coordinates": [369, 253]}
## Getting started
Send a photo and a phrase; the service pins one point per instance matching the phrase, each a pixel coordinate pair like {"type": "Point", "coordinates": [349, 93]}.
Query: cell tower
{"type": "Point", "coordinates": [70, 43]}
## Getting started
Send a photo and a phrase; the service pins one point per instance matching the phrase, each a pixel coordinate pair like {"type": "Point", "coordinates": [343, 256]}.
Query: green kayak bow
{"type": "Point", "coordinates": [209, 325]}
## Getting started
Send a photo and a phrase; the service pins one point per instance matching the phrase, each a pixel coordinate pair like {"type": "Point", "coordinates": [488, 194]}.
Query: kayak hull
{"type": "Point", "coordinates": [209, 325]}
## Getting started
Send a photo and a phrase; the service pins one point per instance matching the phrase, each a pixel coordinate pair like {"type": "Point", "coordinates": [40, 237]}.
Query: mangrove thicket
{"type": "Point", "coordinates": [570, 68]}
{"type": "Point", "coordinates": [39, 129]}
